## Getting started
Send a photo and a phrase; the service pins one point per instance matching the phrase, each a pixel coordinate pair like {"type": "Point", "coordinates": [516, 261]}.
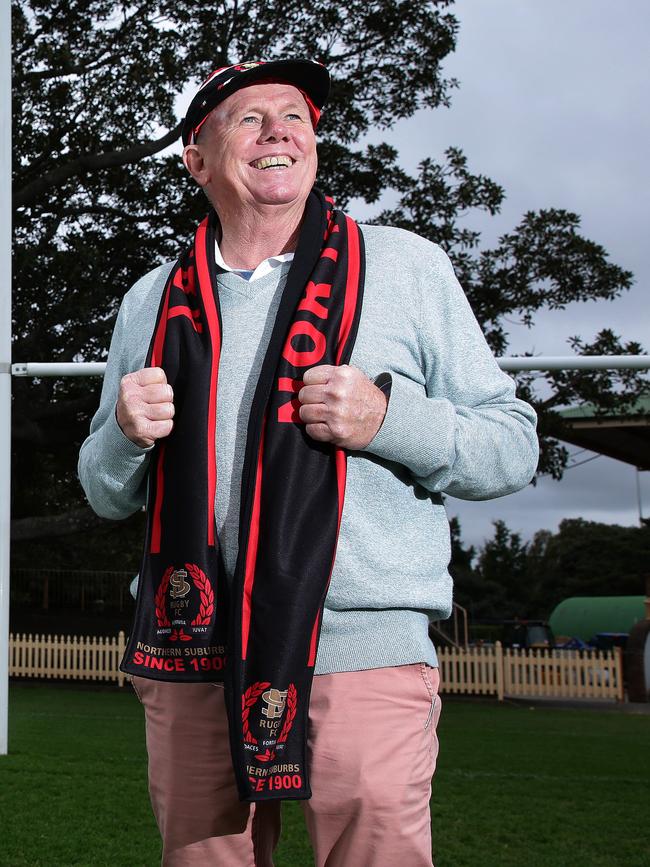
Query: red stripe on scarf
{"type": "Point", "coordinates": [251, 551]}
{"type": "Point", "coordinates": [157, 508]}
{"type": "Point", "coordinates": [156, 361]}
{"type": "Point", "coordinates": [352, 286]}
{"type": "Point", "coordinates": [351, 290]}
{"type": "Point", "coordinates": [159, 342]}
{"type": "Point", "coordinates": [341, 476]}
{"type": "Point", "coordinates": [187, 313]}
{"type": "Point", "coordinates": [313, 644]}
{"type": "Point", "coordinates": [207, 295]}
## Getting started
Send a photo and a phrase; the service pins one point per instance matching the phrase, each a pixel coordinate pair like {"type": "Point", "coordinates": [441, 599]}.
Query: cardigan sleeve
{"type": "Point", "coordinates": [112, 469]}
{"type": "Point", "coordinates": [466, 434]}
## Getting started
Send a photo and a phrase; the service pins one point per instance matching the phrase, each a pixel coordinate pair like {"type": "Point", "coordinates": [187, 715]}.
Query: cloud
{"type": "Point", "coordinates": [551, 105]}
{"type": "Point", "coordinates": [602, 490]}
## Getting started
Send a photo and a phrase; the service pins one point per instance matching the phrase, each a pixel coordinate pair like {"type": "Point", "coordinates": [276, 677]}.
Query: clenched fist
{"type": "Point", "coordinates": [145, 407]}
{"type": "Point", "coordinates": [341, 405]}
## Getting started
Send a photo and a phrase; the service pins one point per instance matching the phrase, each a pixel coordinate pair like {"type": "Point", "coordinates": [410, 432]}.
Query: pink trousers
{"type": "Point", "coordinates": [372, 752]}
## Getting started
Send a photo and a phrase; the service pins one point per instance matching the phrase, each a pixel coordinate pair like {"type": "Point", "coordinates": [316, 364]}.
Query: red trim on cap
{"type": "Point", "coordinates": [313, 110]}
{"type": "Point", "coordinates": [196, 129]}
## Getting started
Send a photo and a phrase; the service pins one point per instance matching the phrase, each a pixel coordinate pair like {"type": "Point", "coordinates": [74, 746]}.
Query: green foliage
{"type": "Point", "coordinates": [494, 588]}
{"type": "Point", "coordinates": [479, 596]}
{"type": "Point", "coordinates": [502, 562]}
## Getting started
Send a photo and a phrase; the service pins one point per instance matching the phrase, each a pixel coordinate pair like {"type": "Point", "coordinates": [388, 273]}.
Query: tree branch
{"type": "Point", "coordinates": [92, 162]}
{"type": "Point", "coordinates": [230, 31]}
{"type": "Point", "coordinates": [362, 45]}
{"type": "Point", "coordinates": [53, 142]}
{"type": "Point", "coordinates": [65, 69]}
{"type": "Point", "coordinates": [108, 210]}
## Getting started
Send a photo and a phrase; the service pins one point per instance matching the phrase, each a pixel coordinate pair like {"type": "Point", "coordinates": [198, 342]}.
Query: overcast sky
{"type": "Point", "coordinates": [553, 105]}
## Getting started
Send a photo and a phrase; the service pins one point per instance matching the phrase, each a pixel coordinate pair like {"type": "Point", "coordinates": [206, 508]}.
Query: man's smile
{"type": "Point", "coordinates": [282, 161]}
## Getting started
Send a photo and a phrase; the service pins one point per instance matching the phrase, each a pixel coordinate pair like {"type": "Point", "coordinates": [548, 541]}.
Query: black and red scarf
{"type": "Point", "coordinates": [258, 634]}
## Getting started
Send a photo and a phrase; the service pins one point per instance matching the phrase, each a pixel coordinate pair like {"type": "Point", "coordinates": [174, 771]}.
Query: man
{"type": "Point", "coordinates": [296, 435]}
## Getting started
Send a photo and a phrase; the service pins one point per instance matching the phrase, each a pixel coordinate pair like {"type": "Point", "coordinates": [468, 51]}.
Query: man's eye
{"type": "Point", "coordinates": [250, 119]}
{"type": "Point", "coordinates": [293, 115]}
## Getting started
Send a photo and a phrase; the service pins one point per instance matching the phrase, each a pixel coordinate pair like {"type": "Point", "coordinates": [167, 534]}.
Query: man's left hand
{"type": "Point", "coordinates": [340, 405]}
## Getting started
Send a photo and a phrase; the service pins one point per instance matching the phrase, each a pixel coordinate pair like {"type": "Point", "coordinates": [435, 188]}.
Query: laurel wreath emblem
{"type": "Point", "coordinates": [267, 756]}
{"type": "Point", "coordinates": [248, 699]}
{"type": "Point", "coordinates": [206, 594]}
{"type": "Point", "coordinates": [292, 707]}
{"type": "Point", "coordinates": [161, 608]}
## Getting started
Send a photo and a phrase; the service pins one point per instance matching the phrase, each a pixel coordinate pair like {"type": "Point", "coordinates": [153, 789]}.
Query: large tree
{"type": "Point", "coordinates": [509, 578]}
{"type": "Point", "coordinates": [99, 198]}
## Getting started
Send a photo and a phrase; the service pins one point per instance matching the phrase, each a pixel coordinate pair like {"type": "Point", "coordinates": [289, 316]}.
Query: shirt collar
{"type": "Point", "coordinates": [262, 269]}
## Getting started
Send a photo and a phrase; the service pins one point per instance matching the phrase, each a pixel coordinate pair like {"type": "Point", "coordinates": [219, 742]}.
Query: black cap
{"type": "Point", "coordinates": [308, 76]}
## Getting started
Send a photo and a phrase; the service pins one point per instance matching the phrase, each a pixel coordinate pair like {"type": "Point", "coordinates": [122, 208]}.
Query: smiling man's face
{"type": "Point", "coordinates": [257, 148]}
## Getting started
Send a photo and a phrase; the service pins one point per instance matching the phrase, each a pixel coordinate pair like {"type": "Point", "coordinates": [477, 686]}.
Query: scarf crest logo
{"type": "Point", "coordinates": [177, 600]}
{"type": "Point", "coordinates": [276, 704]}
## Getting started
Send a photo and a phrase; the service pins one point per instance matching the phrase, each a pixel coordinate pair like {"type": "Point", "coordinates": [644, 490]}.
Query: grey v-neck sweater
{"type": "Point", "coordinates": [453, 425]}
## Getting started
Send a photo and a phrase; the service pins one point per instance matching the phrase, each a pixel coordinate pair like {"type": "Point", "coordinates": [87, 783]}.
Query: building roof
{"type": "Point", "coordinates": [624, 436]}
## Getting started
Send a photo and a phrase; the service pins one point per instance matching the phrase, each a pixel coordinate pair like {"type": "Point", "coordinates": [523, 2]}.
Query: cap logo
{"type": "Point", "coordinates": [250, 64]}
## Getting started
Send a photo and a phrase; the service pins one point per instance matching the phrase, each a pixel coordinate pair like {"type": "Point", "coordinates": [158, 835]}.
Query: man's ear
{"type": "Point", "coordinates": [195, 164]}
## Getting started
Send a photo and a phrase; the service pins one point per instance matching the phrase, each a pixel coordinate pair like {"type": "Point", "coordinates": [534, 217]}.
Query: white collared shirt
{"type": "Point", "coordinates": [262, 269]}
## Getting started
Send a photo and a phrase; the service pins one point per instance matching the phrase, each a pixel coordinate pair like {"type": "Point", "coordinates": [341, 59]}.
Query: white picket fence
{"type": "Point", "coordinates": [581, 674]}
{"type": "Point", "coordinates": [67, 657]}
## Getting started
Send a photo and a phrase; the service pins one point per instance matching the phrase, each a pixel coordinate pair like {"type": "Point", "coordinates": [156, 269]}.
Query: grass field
{"type": "Point", "coordinates": [515, 787]}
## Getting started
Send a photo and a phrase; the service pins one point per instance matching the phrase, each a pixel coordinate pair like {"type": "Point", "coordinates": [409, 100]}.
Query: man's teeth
{"type": "Point", "coordinates": [269, 162]}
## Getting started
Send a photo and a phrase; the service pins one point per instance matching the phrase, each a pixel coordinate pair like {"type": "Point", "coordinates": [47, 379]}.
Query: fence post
{"type": "Point", "coordinates": [620, 693]}
{"type": "Point", "coordinates": [121, 647]}
{"type": "Point", "coordinates": [499, 666]}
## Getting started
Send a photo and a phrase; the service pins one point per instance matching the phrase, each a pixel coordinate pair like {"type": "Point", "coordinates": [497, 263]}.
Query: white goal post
{"type": "Point", "coordinates": [5, 354]}
{"type": "Point", "coordinates": [510, 363]}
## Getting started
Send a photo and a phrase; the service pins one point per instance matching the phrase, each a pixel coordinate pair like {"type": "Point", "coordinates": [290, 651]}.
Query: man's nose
{"type": "Point", "coordinates": [275, 129]}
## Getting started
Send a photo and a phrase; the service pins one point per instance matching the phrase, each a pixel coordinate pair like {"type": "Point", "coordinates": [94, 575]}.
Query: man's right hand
{"type": "Point", "coordinates": [145, 406]}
